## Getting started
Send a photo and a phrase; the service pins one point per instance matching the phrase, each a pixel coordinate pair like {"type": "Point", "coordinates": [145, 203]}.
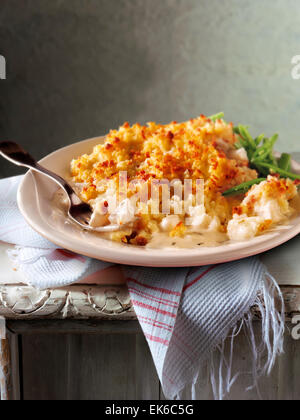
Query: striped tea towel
{"type": "Point", "coordinates": [186, 314]}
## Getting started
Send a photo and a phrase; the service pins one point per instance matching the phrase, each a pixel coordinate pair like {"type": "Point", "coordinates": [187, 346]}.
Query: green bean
{"type": "Point", "coordinates": [277, 170]}
{"type": "Point", "coordinates": [272, 142]}
{"type": "Point", "coordinates": [244, 132]}
{"type": "Point", "coordinates": [262, 171]}
{"type": "Point", "coordinates": [273, 159]}
{"type": "Point", "coordinates": [265, 150]}
{"type": "Point", "coordinates": [216, 117]}
{"type": "Point", "coordinates": [285, 162]}
{"type": "Point", "coordinates": [259, 139]}
{"type": "Point", "coordinates": [244, 143]}
{"type": "Point", "coordinates": [243, 188]}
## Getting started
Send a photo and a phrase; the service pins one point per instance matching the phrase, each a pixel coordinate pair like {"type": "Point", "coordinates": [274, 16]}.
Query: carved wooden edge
{"type": "Point", "coordinates": [74, 302]}
{"type": "Point", "coordinates": [18, 302]}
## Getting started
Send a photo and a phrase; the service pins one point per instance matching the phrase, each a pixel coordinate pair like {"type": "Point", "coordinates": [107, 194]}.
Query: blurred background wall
{"type": "Point", "coordinates": [76, 68]}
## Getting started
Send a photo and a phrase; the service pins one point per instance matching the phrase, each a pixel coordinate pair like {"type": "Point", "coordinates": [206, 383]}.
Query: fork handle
{"type": "Point", "coordinates": [15, 154]}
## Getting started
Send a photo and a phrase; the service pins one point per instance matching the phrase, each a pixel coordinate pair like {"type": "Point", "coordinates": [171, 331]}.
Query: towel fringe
{"type": "Point", "coordinates": [270, 307]}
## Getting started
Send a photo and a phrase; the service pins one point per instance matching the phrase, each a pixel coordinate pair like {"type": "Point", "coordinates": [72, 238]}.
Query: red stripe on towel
{"type": "Point", "coordinates": [153, 298]}
{"type": "Point", "coordinates": [154, 325]}
{"type": "Point", "coordinates": [168, 378]}
{"type": "Point", "coordinates": [198, 278]}
{"type": "Point", "coordinates": [157, 339]}
{"type": "Point", "coordinates": [151, 308]}
{"type": "Point", "coordinates": [71, 255]}
{"type": "Point", "coordinates": [167, 291]}
{"type": "Point", "coordinates": [157, 322]}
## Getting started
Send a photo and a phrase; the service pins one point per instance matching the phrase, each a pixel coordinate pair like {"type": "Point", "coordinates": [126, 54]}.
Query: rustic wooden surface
{"type": "Point", "coordinates": [118, 365]}
{"type": "Point", "coordinates": [88, 367]}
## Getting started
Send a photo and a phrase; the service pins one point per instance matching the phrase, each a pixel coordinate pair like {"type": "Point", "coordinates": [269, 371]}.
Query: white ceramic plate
{"type": "Point", "coordinates": [35, 199]}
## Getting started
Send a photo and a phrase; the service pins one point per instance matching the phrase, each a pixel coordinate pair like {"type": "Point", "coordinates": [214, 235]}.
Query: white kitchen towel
{"type": "Point", "coordinates": [187, 315]}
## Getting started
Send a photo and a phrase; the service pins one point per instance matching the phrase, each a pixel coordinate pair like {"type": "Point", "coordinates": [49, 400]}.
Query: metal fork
{"type": "Point", "coordinates": [79, 211]}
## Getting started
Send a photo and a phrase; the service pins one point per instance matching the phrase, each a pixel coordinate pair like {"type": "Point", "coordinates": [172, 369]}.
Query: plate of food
{"type": "Point", "coordinates": [182, 194]}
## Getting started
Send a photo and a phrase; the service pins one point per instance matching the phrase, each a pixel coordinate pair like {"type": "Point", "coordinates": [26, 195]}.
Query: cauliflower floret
{"type": "Point", "coordinates": [271, 210]}
{"type": "Point", "coordinates": [169, 223]}
{"type": "Point", "coordinates": [266, 204]}
{"type": "Point", "coordinates": [124, 213]}
{"type": "Point", "coordinates": [241, 228]}
{"type": "Point", "coordinates": [200, 220]}
{"type": "Point", "coordinates": [270, 199]}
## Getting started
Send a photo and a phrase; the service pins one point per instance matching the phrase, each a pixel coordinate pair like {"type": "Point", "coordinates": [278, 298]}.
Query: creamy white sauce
{"type": "Point", "coordinates": [191, 240]}
{"type": "Point", "coordinates": [60, 202]}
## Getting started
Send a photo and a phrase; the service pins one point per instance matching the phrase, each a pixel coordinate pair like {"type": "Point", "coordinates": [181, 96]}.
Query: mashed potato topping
{"type": "Point", "coordinates": [198, 149]}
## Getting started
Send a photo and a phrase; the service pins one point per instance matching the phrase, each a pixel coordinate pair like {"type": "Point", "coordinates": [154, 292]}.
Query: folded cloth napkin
{"type": "Point", "coordinates": [188, 316]}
